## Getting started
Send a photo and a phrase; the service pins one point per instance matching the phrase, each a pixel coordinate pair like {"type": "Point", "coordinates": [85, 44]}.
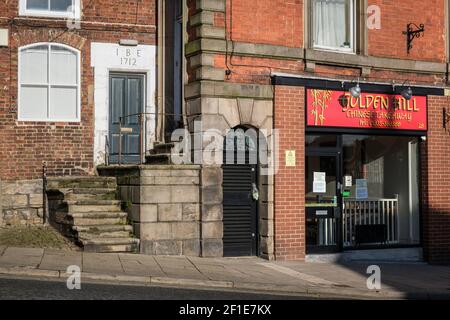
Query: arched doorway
{"type": "Point", "coordinates": [240, 193]}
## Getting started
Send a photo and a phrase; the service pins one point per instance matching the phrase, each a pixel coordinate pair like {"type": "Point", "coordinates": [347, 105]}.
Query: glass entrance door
{"type": "Point", "coordinates": [323, 202]}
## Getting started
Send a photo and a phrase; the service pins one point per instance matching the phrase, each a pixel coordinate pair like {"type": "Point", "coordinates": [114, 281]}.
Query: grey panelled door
{"type": "Point", "coordinates": [126, 98]}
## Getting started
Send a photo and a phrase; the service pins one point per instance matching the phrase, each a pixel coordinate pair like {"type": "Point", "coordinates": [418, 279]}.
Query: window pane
{"type": "Point", "coordinates": [63, 103]}
{"type": "Point", "coordinates": [33, 65]}
{"type": "Point", "coordinates": [60, 5]}
{"type": "Point", "coordinates": [33, 103]}
{"type": "Point", "coordinates": [63, 66]}
{"type": "Point", "coordinates": [37, 4]}
{"type": "Point", "coordinates": [389, 165]}
{"type": "Point", "coordinates": [332, 23]}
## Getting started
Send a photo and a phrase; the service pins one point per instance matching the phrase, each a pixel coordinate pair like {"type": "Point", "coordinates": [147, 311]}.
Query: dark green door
{"type": "Point", "coordinates": [126, 101]}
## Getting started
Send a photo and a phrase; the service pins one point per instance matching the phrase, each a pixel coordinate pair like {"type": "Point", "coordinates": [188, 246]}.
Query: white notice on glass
{"type": "Point", "coordinates": [319, 184]}
{"type": "Point", "coordinates": [319, 187]}
{"type": "Point", "coordinates": [348, 181]}
{"type": "Point", "coordinates": [319, 176]}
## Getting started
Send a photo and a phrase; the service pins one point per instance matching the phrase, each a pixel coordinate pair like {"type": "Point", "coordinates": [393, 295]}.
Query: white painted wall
{"type": "Point", "coordinates": [111, 57]}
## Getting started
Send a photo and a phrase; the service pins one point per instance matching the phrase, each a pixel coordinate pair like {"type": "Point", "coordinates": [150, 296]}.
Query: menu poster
{"type": "Point", "coordinates": [319, 183]}
{"type": "Point", "coordinates": [348, 181]}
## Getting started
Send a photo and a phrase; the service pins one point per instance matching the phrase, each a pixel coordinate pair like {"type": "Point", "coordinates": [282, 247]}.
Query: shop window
{"type": "Point", "coordinates": [388, 168]}
{"type": "Point", "coordinates": [49, 83]}
{"type": "Point", "coordinates": [50, 8]}
{"type": "Point", "coordinates": [333, 25]}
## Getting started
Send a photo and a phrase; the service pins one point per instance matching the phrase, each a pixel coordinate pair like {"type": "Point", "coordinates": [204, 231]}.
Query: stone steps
{"type": "Point", "coordinates": [81, 183]}
{"type": "Point", "coordinates": [83, 194]}
{"type": "Point", "coordinates": [101, 235]}
{"type": "Point", "coordinates": [103, 228]}
{"type": "Point", "coordinates": [93, 208]}
{"type": "Point", "coordinates": [90, 210]}
{"type": "Point", "coordinates": [162, 158]}
{"type": "Point", "coordinates": [165, 148]}
{"type": "Point", "coordinates": [98, 222]}
{"type": "Point", "coordinates": [97, 215]}
{"type": "Point", "coordinates": [161, 154]}
{"type": "Point", "coordinates": [110, 244]}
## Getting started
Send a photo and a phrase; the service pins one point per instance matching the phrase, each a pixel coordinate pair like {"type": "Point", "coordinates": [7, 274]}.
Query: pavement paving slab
{"type": "Point", "coordinates": [140, 265]}
{"type": "Point", "coordinates": [21, 257]}
{"type": "Point", "coordinates": [102, 263]}
{"type": "Point", "coordinates": [184, 273]}
{"type": "Point", "coordinates": [60, 260]}
{"type": "Point", "coordinates": [179, 267]}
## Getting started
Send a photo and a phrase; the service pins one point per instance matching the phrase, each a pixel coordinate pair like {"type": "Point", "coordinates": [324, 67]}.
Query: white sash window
{"type": "Point", "coordinates": [50, 8]}
{"type": "Point", "coordinates": [49, 83]}
{"type": "Point", "coordinates": [333, 24]}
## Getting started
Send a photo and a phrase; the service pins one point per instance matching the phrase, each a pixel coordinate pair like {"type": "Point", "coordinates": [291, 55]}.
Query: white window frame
{"type": "Point", "coordinates": [74, 14]}
{"type": "Point", "coordinates": [49, 84]}
{"type": "Point", "coordinates": [352, 49]}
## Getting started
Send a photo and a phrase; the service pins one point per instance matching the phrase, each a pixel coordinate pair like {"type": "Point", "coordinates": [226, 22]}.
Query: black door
{"type": "Point", "coordinates": [323, 202]}
{"type": "Point", "coordinates": [240, 201]}
{"type": "Point", "coordinates": [126, 98]}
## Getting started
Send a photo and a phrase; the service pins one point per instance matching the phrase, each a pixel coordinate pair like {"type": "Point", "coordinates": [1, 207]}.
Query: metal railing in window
{"type": "Point", "coordinates": [375, 211]}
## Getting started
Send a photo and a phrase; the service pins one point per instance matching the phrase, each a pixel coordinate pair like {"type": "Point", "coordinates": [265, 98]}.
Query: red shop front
{"type": "Point", "coordinates": [362, 185]}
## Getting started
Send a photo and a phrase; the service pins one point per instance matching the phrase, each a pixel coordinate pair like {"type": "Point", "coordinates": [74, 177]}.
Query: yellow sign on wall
{"type": "Point", "coordinates": [290, 158]}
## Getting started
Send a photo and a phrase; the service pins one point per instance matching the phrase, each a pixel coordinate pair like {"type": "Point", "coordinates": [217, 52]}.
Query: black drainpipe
{"type": "Point", "coordinates": [44, 192]}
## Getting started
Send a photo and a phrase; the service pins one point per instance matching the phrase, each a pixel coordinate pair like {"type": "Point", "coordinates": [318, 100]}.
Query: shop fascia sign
{"type": "Point", "coordinates": [327, 108]}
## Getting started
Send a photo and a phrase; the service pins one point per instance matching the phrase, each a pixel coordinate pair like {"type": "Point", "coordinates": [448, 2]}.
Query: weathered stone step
{"type": "Point", "coordinates": [128, 248]}
{"type": "Point", "coordinates": [97, 215]}
{"type": "Point", "coordinates": [110, 245]}
{"type": "Point", "coordinates": [83, 194]}
{"type": "Point", "coordinates": [109, 241]}
{"type": "Point", "coordinates": [94, 202]}
{"type": "Point", "coordinates": [160, 159]}
{"type": "Point", "coordinates": [83, 221]}
{"type": "Point", "coordinates": [161, 148]}
{"type": "Point", "coordinates": [105, 235]}
{"type": "Point", "coordinates": [93, 208]}
{"type": "Point", "coordinates": [88, 182]}
{"type": "Point", "coordinates": [103, 228]}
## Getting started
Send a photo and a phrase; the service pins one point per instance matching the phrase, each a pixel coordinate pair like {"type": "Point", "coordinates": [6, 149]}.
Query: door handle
{"type": "Point", "coordinates": [255, 192]}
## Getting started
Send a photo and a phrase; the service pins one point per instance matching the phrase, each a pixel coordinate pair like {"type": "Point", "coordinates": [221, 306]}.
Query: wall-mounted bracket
{"type": "Point", "coordinates": [446, 118]}
{"type": "Point", "coordinates": [413, 31]}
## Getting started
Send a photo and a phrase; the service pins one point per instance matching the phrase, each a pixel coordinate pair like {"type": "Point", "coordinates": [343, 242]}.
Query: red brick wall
{"type": "Point", "coordinates": [119, 11]}
{"type": "Point", "coordinates": [282, 23]}
{"type": "Point", "coordinates": [276, 22]}
{"type": "Point", "coordinates": [435, 178]}
{"type": "Point", "coordinates": [290, 181]}
{"type": "Point", "coordinates": [67, 147]}
{"type": "Point", "coordinates": [395, 15]}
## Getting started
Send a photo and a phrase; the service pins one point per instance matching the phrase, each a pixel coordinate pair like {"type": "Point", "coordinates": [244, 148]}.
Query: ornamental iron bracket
{"type": "Point", "coordinates": [412, 33]}
{"type": "Point", "coordinates": [446, 117]}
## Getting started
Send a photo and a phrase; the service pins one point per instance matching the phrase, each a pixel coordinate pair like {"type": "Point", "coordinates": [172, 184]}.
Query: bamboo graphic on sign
{"type": "Point", "coordinates": [321, 99]}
